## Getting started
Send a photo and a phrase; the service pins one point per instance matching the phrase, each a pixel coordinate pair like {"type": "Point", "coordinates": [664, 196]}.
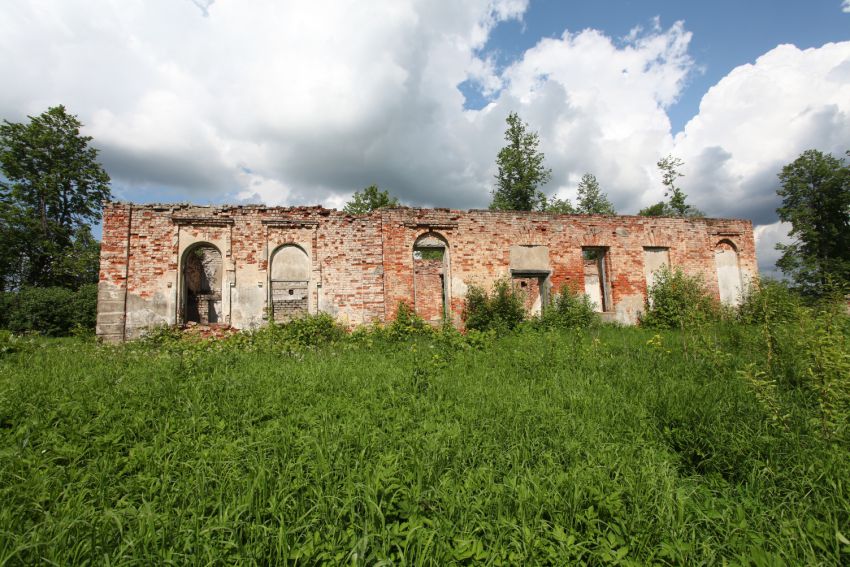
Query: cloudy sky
{"type": "Point", "coordinates": [304, 102]}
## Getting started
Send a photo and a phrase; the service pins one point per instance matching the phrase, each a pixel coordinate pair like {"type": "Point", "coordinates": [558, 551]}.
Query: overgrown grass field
{"type": "Point", "coordinates": [597, 446]}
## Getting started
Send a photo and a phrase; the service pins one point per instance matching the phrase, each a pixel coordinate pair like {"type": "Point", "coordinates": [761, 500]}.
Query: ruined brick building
{"type": "Point", "coordinates": [240, 265]}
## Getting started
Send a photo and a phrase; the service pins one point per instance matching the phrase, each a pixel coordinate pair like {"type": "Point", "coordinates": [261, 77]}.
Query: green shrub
{"type": "Point", "coordinates": [52, 311]}
{"type": "Point", "coordinates": [9, 343]}
{"type": "Point", "coordinates": [407, 324]}
{"type": "Point", "coordinates": [568, 310]}
{"type": "Point", "coordinates": [803, 350]}
{"type": "Point", "coordinates": [677, 300]}
{"type": "Point", "coordinates": [293, 336]}
{"type": "Point", "coordinates": [502, 310]}
{"type": "Point", "coordinates": [312, 330]}
{"type": "Point", "coordinates": [768, 300]}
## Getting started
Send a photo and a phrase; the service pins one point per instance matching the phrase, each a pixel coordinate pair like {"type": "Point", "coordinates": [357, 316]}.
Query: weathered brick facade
{"type": "Point", "coordinates": [358, 268]}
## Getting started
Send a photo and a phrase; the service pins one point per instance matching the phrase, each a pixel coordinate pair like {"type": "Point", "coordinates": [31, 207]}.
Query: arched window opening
{"type": "Point", "coordinates": [430, 278]}
{"type": "Point", "coordinates": [728, 273]}
{"type": "Point", "coordinates": [289, 285]}
{"type": "Point", "coordinates": [202, 275]}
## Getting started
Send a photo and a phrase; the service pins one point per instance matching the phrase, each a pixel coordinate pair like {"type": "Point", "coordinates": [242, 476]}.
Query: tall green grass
{"type": "Point", "coordinates": [541, 447]}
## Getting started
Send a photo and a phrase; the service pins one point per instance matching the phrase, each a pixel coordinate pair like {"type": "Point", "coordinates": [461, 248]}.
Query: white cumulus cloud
{"type": "Point", "coordinates": [306, 102]}
{"type": "Point", "coordinates": [761, 117]}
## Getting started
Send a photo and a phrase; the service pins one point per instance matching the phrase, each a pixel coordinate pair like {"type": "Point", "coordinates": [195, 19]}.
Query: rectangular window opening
{"type": "Point", "coordinates": [534, 288]}
{"type": "Point", "coordinates": [654, 258]}
{"type": "Point", "coordinates": [596, 284]}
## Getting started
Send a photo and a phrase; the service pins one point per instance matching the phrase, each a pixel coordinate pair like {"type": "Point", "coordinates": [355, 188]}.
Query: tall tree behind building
{"type": "Point", "coordinates": [815, 195]}
{"type": "Point", "coordinates": [676, 205]}
{"type": "Point", "coordinates": [368, 200]}
{"type": "Point", "coordinates": [520, 170]}
{"type": "Point", "coordinates": [52, 190]}
{"type": "Point", "coordinates": [591, 200]}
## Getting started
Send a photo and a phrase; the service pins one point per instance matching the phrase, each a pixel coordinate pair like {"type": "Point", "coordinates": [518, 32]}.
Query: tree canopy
{"type": "Point", "coordinates": [676, 205]}
{"type": "Point", "coordinates": [815, 191]}
{"type": "Point", "coordinates": [520, 170]}
{"type": "Point", "coordinates": [560, 206]}
{"type": "Point", "coordinates": [591, 199]}
{"type": "Point", "coordinates": [659, 209]}
{"type": "Point", "coordinates": [52, 189]}
{"type": "Point", "coordinates": [369, 199]}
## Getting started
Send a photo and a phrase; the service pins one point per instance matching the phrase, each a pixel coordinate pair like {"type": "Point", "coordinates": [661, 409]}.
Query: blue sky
{"type": "Point", "coordinates": [291, 103]}
{"type": "Point", "coordinates": [726, 34]}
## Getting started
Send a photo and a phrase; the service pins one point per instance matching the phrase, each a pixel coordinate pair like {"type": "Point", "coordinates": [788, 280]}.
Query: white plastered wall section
{"type": "Point", "coordinates": [303, 238]}
{"type": "Point", "coordinates": [300, 239]}
{"type": "Point", "coordinates": [730, 279]}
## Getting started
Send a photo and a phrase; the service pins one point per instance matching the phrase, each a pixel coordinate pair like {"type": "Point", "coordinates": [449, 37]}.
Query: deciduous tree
{"type": "Point", "coordinates": [677, 199]}
{"type": "Point", "coordinates": [560, 206]}
{"type": "Point", "coordinates": [52, 188]}
{"type": "Point", "coordinates": [369, 199]}
{"type": "Point", "coordinates": [676, 205]}
{"type": "Point", "coordinates": [815, 191]}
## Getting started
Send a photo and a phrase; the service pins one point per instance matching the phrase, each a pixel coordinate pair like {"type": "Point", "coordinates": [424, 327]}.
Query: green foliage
{"type": "Point", "coordinates": [591, 199]}
{"type": "Point", "coordinates": [677, 301]}
{"type": "Point", "coordinates": [51, 188]}
{"type": "Point", "coordinates": [51, 311]}
{"type": "Point", "coordinates": [568, 310]}
{"type": "Point", "coordinates": [500, 310]}
{"type": "Point", "coordinates": [766, 300]}
{"type": "Point", "coordinates": [558, 206]}
{"type": "Point", "coordinates": [520, 170]}
{"type": "Point", "coordinates": [369, 199]}
{"type": "Point", "coordinates": [11, 343]}
{"type": "Point", "coordinates": [815, 195]}
{"type": "Point", "coordinates": [677, 205]}
{"type": "Point", "coordinates": [314, 330]}
{"type": "Point", "coordinates": [803, 349]}
{"type": "Point", "coordinates": [614, 446]}
{"type": "Point", "coordinates": [431, 253]}
{"type": "Point", "coordinates": [407, 323]}
{"type": "Point", "coordinates": [660, 209]}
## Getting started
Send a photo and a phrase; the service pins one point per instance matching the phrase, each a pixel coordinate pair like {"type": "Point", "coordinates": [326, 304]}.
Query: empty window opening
{"type": "Point", "coordinates": [202, 275]}
{"type": "Point", "coordinates": [534, 290]}
{"type": "Point", "coordinates": [729, 280]}
{"type": "Point", "coordinates": [290, 283]}
{"type": "Point", "coordinates": [430, 266]}
{"type": "Point", "coordinates": [596, 284]}
{"type": "Point", "coordinates": [654, 258]}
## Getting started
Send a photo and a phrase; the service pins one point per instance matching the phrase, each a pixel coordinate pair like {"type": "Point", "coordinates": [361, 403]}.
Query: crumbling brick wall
{"type": "Point", "coordinates": [361, 267]}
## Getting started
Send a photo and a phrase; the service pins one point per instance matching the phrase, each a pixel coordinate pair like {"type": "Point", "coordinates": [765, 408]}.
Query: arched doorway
{"type": "Point", "coordinates": [202, 276]}
{"type": "Point", "coordinates": [728, 273]}
{"type": "Point", "coordinates": [289, 283]}
{"type": "Point", "coordinates": [430, 278]}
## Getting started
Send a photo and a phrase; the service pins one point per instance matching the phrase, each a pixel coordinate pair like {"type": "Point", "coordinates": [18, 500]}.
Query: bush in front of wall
{"type": "Point", "coordinates": [568, 310]}
{"type": "Point", "coordinates": [502, 309]}
{"type": "Point", "coordinates": [677, 300]}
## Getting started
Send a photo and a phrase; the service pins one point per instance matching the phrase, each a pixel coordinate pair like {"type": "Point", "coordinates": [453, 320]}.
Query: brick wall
{"type": "Point", "coordinates": [362, 266]}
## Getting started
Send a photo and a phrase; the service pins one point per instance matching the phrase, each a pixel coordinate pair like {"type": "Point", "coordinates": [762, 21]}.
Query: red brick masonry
{"type": "Point", "coordinates": [358, 268]}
